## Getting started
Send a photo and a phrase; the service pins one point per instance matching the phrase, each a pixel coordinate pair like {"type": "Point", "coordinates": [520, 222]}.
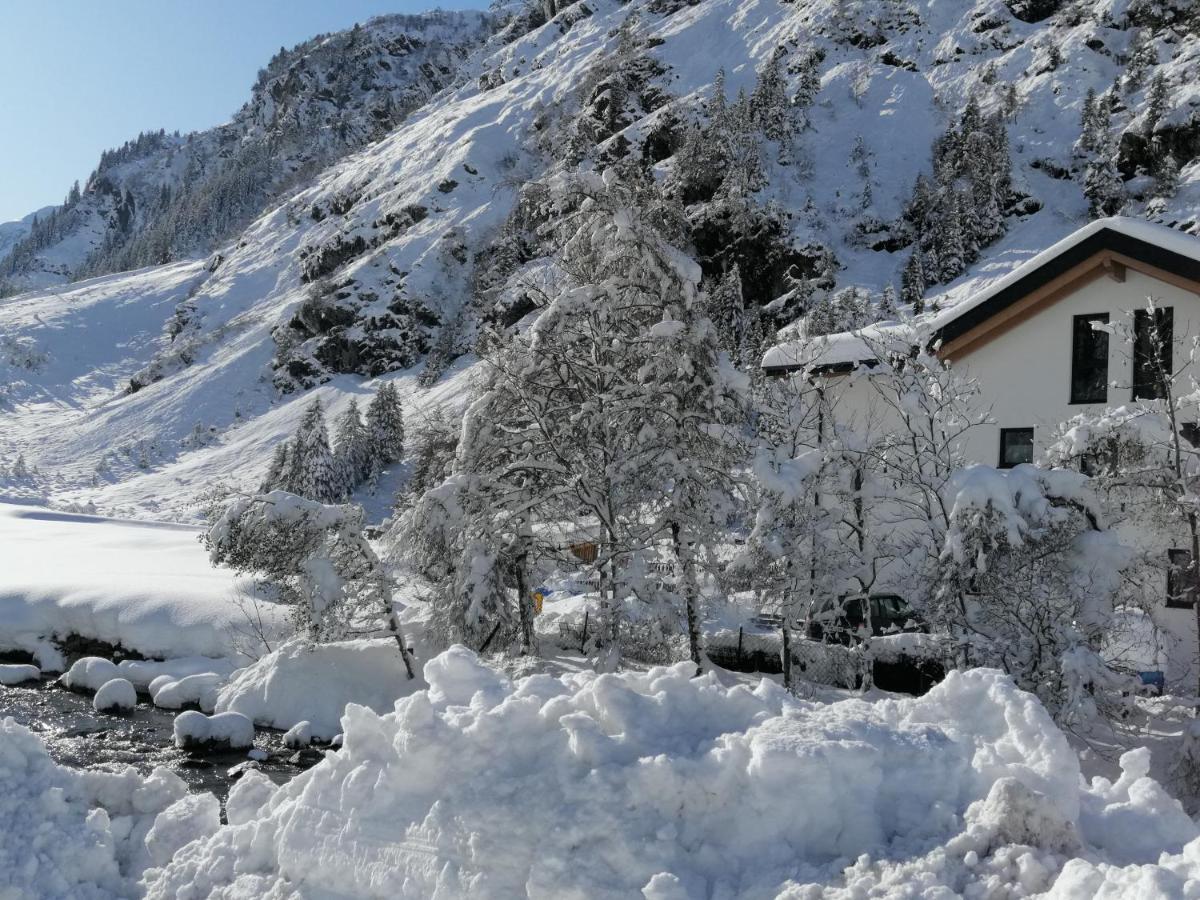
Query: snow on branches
{"type": "Point", "coordinates": [314, 557]}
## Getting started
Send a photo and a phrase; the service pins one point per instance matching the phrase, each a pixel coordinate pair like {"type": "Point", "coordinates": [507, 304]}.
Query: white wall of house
{"type": "Point", "coordinates": [1024, 376]}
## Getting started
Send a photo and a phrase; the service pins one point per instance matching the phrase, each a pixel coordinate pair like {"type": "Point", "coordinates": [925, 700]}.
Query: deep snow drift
{"type": "Point", "coordinates": [147, 586]}
{"type": "Point", "coordinates": [661, 784]}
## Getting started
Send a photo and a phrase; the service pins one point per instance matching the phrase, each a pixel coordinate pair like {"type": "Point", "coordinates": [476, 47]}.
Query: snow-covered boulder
{"type": "Point", "coordinates": [144, 672]}
{"type": "Point", "coordinates": [304, 683]}
{"type": "Point", "coordinates": [197, 732]}
{"type": "Point", "coordinates": [115, 696]}
{"type": "Point", "coordinates": [89, 674]}
{"type": "Point", "coordinates": [298, 736]}
{"type": "Point", "coordinates": [19, 674]}
{"type": "Point", "coordinates": [200, 690]}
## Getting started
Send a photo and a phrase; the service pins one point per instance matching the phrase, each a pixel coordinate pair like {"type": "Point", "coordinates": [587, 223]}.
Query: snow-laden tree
{"type": "Point", "coordinates": [472, 535]}
{"type": "Point", "coordinates": [926, 410]}
{"type": "Point", "coordinates": [313, 471]}
{"type": "Point", "coordinates": [278, 470]}
{"type": "Point", "coordinates": [1027, 551]}
{"type": "Point", "coordinates": [314, 558]}
{"type": "Point", "coordinates": [698, 402]}
{"type": "Point", "coordinates": [912, 280]}
{"type": "Point", "coordinates": [353, 447]}
{"type": "Point", "coordinates": [385, 427]}
{"type": "Point", "coordinates": [785, 556]}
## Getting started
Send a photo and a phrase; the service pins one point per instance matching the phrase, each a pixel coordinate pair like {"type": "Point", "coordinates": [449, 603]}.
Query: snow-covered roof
{"type": "Point", "coordinates": [1157, 244]}
{"type": "Point", "coordinates": [830, 351]}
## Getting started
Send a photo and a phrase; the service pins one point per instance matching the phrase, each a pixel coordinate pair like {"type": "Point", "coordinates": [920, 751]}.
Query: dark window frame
{"type": "Point", "coordinates": [1081, 327]}
{"type": "Point", "coordinates": [1004, 437]}
{"type": "Point", "coordinates": [1178, 590]}
{"type": "Point", "coordinates": [1147, 377]}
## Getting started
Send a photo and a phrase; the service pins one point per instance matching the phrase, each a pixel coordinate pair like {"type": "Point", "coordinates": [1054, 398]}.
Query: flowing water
{"type": "Point", "coordinates": [78, 736]}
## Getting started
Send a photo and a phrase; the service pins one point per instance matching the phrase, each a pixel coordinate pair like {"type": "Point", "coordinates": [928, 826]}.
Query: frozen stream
{"type": "Point", "coordinates": [78, 736]}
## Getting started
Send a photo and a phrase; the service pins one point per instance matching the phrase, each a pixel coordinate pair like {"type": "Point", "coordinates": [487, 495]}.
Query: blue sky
{"type": "Point", "coordinates": [79, 76]}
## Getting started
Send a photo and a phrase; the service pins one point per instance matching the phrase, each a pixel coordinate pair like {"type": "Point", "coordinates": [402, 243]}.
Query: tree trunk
{"type": "Point", "coordinates": [687, 582]}
{"type": "Point", "coordinates": [1194, 528]}
{"type": "Point", "coordinates": [393, 621]}
{"type": "Point", "coordinates": [785, 633]}
{"type": "Point", "coordinates": [525, 609]}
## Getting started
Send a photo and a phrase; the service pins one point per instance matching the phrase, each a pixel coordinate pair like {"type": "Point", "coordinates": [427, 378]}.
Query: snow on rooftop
{"type": "Point", "coordinates": [849, 348]}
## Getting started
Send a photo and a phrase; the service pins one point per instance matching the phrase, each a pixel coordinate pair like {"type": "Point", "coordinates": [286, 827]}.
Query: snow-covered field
{"type": "Point", "coordinates": [147, 586]}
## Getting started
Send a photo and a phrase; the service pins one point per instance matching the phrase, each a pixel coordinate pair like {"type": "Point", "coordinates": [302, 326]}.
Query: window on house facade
{"type": "Point", "coordinates": [1089, 359]}
{"type": "Point", "coordinates": [1152, 358]}
{"type": "Point", "coordinates": [1190, 432]}
{"type": "Point", "coordinates": [1180, 589]}
{"type": "Point", "coordinates": [1016, 446]}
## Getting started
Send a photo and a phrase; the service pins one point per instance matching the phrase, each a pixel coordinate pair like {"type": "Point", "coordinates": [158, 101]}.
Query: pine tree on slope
{"type": "Point", "coordinates": [385, 427]}
{"type": "Point", "coordinates": [314, 472]}
{"type": "Point", "coordinates": [353, 447]}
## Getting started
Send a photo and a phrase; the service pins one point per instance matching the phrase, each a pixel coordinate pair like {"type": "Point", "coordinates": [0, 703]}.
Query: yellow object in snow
{"type": "Point", "coordinates": [537, 602]}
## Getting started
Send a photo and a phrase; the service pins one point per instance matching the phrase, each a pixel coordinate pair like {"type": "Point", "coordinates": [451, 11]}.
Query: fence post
{"type": "Point", "coordinates": [583, 640]}
{"type": "Point", "coordinates": [739, 653]}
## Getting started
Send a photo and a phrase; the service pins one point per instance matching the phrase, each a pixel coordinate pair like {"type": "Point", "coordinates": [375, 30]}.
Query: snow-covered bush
{"type": "Point", "coordinates": [1027, 556]}
{"type": "Point", "coordinates": [316, 559]}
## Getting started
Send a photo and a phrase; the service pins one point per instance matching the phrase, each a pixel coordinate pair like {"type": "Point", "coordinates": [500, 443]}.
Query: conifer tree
{"type": "Point", "coordinates": [912, 280]}
{"type": "Point", "coordinates": [726, 309]}
{"type": "Point", "coordinates": [277, 472]}
{"type": "Point", "coordinates": [1156, 102]}
{"type": "Point", "coordinates": [353, 447]}
{"type": "Point", "coordinates": [385, 427]}
{"type": "Point", "coordinates": [887, 308]}
{"type": "Point", "coordinates": [313, 472]}
{"type": "Point", "coordinates": [1102, 184]}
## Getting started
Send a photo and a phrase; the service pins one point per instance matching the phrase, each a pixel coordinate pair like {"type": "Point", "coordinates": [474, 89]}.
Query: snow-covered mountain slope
{"type": "Point", "coordinates": [139, 391]}
{"type": "Point", "coordinates": [164, 196]}
{"type": "Point", "coordinates": [12, 233]}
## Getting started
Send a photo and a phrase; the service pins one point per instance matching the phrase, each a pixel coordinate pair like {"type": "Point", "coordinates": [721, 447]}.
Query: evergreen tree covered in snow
{"type": "Point", "coordinates": [313, 471]}
{"type": "Point", "coordinates": [353, 447]}
{"type": "Point", "coordinates": [961, 210]}
{"type": "Point", "coordinates": [385, 427]}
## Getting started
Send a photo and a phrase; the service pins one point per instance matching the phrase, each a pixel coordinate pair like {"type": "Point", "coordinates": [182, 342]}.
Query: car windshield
{"type": "Point", "coordinates": [889, 607]}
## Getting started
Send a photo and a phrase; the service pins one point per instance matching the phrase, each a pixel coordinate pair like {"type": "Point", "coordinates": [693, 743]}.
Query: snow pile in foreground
{"type": "Point", "coordinates": [86, 835]}
{"type": "Point", "coordinates": [303, 683]}
{"type": "Point", "coordinates": [663, 785]}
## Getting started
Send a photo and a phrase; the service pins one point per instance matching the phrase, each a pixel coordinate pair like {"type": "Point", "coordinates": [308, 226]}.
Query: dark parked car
{"type": "Point", "coordinates": [843, 620]}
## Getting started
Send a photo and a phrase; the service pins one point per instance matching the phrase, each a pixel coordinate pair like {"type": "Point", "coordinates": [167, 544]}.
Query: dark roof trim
{"type": "Point", "coordinates": [1104, 239]}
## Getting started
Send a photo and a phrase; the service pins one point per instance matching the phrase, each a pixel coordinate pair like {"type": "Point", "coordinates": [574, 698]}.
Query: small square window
{"type": "Point", "coordinates": [1180, 589]}
{"type": "Point", "coordinates": [1190, 432]}
{"type": "Point", "coordinates": [1016, 447]}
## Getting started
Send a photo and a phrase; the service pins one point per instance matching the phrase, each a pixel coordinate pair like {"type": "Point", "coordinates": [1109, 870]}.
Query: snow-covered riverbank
{"type": "Point", "coordinates": [146, 586]}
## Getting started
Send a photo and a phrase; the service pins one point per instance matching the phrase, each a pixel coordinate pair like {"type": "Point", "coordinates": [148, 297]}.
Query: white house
{"type": "Point", "coordinates": [1028, 342]}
